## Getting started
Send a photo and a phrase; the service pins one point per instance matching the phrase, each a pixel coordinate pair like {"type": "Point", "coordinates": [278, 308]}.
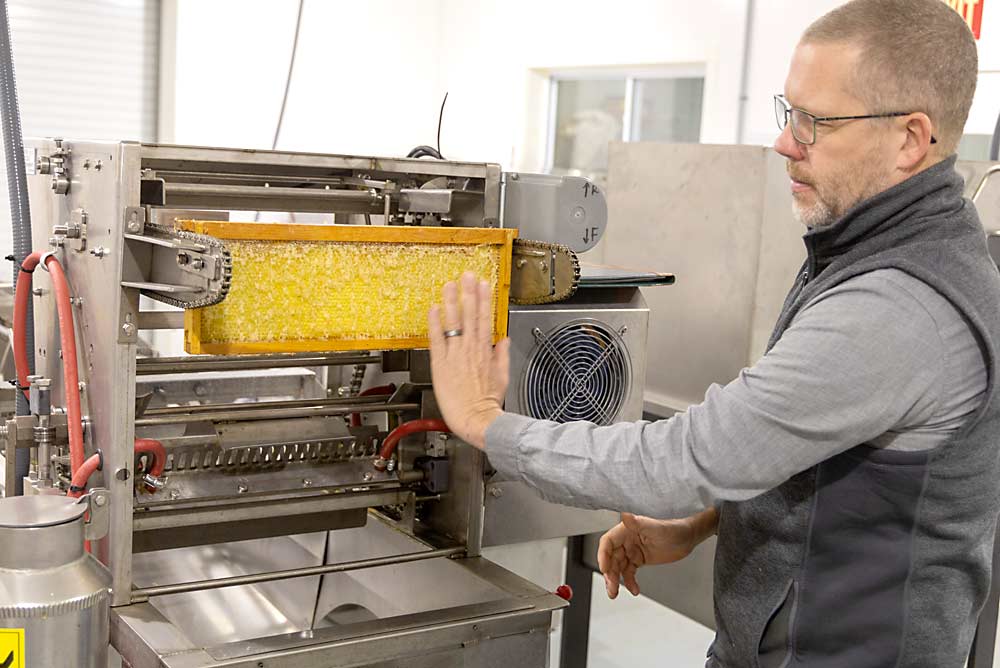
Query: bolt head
{"type": "Point", "coordinates": [174, 494]}
{"type": "Point", "coordinates": [306, 482]}
{"type": "Point", "coordinates": [100, 501]}
{"type": "Point", "coordinates": [496, 492]}
{"type": "Point", "coordinates": [128, 329]}
{"type": "Point", "coordinates": [242, 488]}
{"type": "Point", "coordinates": [369, 476]}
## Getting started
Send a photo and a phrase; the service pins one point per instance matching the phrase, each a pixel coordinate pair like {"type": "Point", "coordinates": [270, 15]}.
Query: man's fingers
{"type": "Point", "coordinates": [470, 308]}
{"type": "Point", "coordinates": [630, 582]}
{"type": "Point", "coordinates": [484, 318]}
{"type": "Point", "coordinates": [611, 585]}
{"type": "Point", "coordinates": [435, 332]}
{"type": "Point", "coordinates": [449, 295]}
{"type": "Point", "coordinates": [630, 522]}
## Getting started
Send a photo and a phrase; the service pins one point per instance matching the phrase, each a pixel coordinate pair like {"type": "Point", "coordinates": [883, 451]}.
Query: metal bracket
{"type": "Point", "coordinates": [186, 270]}
{"type": "Point", "coordinates": [98, 502]}
{"type": "Point", "coordinates": [74, 230]}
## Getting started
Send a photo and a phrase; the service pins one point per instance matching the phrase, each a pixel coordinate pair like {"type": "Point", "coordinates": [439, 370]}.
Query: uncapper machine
{"type": "Point", "coordinates": [287, 496]}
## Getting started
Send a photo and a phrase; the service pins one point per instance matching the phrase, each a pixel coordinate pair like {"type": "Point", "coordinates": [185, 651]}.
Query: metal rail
{"type": "Point", "coordinates": [150, 365]}
{"type": "Point", "coordinates": [292, 403]}
{"type": "Point", "coordinates": [144, 594]}
{"type": "Point", "coordinates": [331, 195]}
{"type": "Point", "coordinates": [273, 413]}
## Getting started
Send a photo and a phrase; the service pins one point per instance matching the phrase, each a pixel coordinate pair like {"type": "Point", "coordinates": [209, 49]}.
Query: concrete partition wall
{"type": "Point", "coordinates": [719, 217]}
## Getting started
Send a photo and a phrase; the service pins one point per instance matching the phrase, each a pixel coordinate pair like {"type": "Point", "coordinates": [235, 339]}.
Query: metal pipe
{"type": "Point", "coordinates": [273, 414]}
{"type": "Point", "coordinates": [144, 594]}
{"type": "Point", "coordinates": [150, 365]}
{"type": "Point", "coordinates": [20, 213]}
{"type": "Point", "coordinates": [292, 403]}
{"type": "Point", "coordinates": [982, 183]}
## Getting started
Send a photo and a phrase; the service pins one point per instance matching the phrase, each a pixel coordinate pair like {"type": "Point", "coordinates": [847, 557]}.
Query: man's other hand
{"type": "Point", "coordinates": [639, 541]}
{"type": "Point", "coordinates": [470, 376]}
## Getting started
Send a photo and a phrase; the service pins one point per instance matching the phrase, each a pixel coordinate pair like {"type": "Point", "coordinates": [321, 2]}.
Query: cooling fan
{"type": "Point", "coordinates": [578, 370]}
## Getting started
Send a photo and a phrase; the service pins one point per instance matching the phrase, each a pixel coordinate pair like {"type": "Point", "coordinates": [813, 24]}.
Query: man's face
{"type": "Point", "coordinates": [850, 160]}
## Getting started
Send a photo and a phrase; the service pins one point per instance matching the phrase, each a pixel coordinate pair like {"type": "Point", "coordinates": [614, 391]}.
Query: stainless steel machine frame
{"type": "Point", "coordinates": [300, 469]}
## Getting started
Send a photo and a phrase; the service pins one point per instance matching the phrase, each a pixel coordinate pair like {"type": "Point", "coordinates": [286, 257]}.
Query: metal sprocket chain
{"type": "Point", "coordinates": [215, 247]}
{"type": "Point", "coordinates": [559, 250]}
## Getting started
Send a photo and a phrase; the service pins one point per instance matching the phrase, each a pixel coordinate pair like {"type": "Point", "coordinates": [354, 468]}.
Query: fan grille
{"type": "Point", "coordinates": [577, 371]}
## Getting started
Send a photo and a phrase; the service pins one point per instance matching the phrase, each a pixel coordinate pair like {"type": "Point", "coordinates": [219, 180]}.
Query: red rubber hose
{"type": "Point", "coordinates": [405, 429]}
{"type": "Point", "coordinates": [67, 337]}
{"type": "Point", "coordinates": [152, 447]}
{"type": "Point", "coordinates": [80, 477]}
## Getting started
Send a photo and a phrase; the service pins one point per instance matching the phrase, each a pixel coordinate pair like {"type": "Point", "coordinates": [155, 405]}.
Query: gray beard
{"type": "Point", "coordinates": [818, 215]}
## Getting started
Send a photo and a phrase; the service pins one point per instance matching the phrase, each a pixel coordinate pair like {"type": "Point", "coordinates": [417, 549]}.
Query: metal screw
{"type": "Point", "coordinates": [496, 492]}
{"type": "Point", "coordinates": [174, 495]}
{"type": "Point", "coordinates": [443, 437]}
{"type": "Point", "coordinates": [242, 488]}
{"type": "Point", "coordinates": [99, 251]}
{"type": "Point", "coordinates": [76, 301]}
{"type": "Point", "coordinates": [133, 222]}
{"type": "Point", "coordinates": [514, 176]}
{"type": "Point", "coordinates": [198, 263]}
{"type": "Point", "coordinates": [82, 385]}
{"type": "Point", "coordinates": [128, 329]}
{"type": "Point", "coordinates": [369, 476]}
{"type": "Point", "coordinates": [38, 292]}
{"type": "Point", "coordinates": [100, 501]}
{"type": "Point", "coordinates": [306, 482]}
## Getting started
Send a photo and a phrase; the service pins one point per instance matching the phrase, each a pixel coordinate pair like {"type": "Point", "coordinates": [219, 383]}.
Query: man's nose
{"type": "Point", "coordinates": [787, 146]}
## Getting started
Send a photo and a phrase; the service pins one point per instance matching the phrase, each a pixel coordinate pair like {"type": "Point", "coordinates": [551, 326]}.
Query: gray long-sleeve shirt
{"type": "Point", "coordinates": [881, 358]}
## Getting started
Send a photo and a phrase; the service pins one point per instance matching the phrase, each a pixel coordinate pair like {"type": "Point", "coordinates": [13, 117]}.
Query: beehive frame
{"type": "Point", "coordinates": [196, 342]}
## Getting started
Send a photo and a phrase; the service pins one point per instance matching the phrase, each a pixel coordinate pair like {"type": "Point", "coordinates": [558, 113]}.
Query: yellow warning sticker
{"type": "Point", "coordinates": [11, 648]}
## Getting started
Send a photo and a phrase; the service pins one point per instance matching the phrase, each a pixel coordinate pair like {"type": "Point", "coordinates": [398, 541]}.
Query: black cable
{"type": "Point", "coordinates": [425, 151]}
{"type": "Point", "coordinates": [441, 118]}
{"type": "Point", "coordinates": [288, 78]}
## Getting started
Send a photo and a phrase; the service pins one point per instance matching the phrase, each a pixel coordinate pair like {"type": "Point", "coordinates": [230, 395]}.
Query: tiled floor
{"type": "Point", "coordinates": [636, 632]}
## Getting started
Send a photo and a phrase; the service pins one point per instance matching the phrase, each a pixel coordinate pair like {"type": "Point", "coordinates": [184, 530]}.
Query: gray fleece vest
{"type": "Point", "coordinates": [875, 558]}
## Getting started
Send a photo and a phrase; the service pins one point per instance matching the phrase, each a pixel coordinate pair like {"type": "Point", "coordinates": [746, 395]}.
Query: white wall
{"type": "Point", "coordinates": [369, 77]}
{"type": "Point", "coordinates": [366, 75]}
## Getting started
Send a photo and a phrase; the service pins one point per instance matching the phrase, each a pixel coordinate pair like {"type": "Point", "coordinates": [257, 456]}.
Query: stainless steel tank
{"type": "Point", "coordinates": [51, 590]}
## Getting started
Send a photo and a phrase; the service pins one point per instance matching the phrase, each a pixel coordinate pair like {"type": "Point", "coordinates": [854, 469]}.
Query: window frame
{"type": "Point", "coordinates": [629, 74]}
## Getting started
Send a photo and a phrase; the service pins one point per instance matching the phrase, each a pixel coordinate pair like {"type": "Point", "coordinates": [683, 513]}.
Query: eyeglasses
{"type": "Point", "coordinates": [804, 123]}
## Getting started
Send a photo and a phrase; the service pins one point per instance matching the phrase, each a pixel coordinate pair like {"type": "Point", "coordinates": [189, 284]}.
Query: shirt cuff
{"type": "Point", "coordinates": [503, 438]}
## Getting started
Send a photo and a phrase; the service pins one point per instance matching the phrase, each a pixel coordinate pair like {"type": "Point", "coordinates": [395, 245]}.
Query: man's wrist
{"type": "Point", "coordinates": [478, 423]}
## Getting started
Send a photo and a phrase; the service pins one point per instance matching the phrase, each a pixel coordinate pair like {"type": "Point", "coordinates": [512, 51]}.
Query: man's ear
{"type": "Point", "coordinates": [917, 140]}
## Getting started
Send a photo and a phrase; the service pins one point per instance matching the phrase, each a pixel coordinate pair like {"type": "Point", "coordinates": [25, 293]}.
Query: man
{"type": "Point", "coordinates": [852, 473]}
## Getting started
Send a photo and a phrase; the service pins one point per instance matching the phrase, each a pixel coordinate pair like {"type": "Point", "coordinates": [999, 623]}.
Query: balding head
{"type": "Point", "coordinates": [916, 55]}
